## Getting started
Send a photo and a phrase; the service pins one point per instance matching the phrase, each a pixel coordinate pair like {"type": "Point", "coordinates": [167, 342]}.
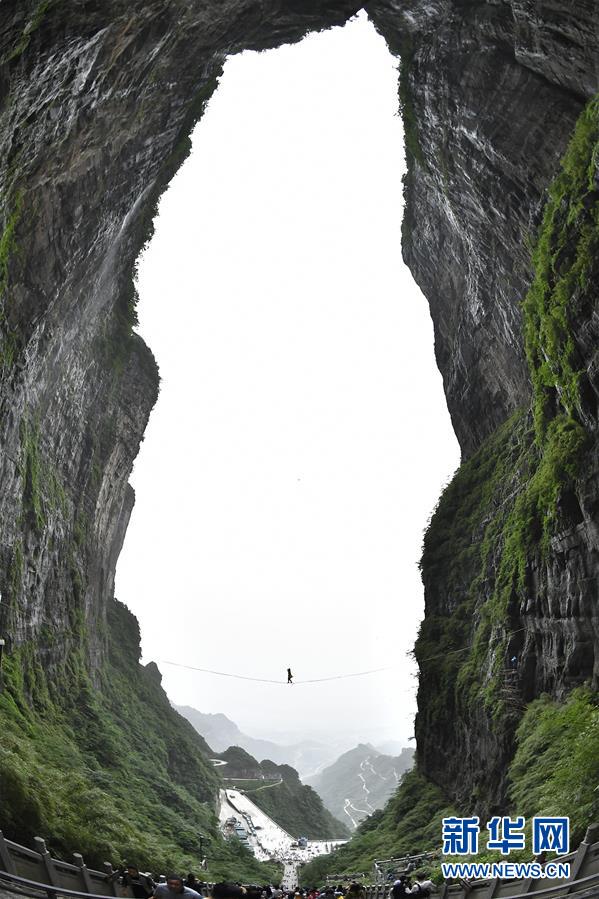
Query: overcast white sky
{"type": "Point", "coordinates": [301, 437]}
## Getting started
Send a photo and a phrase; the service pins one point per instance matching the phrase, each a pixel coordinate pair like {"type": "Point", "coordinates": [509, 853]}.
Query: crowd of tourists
{"type": "Point", "coordinates": [138, 885]}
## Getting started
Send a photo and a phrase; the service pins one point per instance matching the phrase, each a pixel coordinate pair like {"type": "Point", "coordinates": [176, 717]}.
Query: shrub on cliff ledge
{"type": "Point", "coordinates": [556, 767]}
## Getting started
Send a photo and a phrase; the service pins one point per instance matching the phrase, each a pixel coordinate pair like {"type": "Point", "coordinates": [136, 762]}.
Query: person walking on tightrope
{"type": "Point", "coordinates": [289, 676]}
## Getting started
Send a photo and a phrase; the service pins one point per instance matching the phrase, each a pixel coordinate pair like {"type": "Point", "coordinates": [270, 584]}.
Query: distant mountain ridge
{"type": "Point", "coordinates": [307, 756]}
{"type": "Point", "coordinates": [334, 800]}
{"type": "Point", "coordinates": [360, 781]}
{"type": "Point", "coordinates": [275, 788]}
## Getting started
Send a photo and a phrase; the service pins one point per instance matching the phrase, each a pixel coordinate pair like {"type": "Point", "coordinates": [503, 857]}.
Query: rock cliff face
{"type": "Point", "coordinates": [97, 102]}
{"type": "Point", "coordinates": [98, 98]}
{"type": "Point", "coordinates": [491, 96]}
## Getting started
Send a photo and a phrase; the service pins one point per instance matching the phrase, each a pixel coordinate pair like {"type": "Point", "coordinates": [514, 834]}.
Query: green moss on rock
{"type": "Point", "coordinates": [8, 250]}
{"type": "Point", "coordinates": [501, 510]}
{"type": "Point", "coordinates": [33, 24]}
{"type": "Point", "coordinates": [113, 772]}
{"type": "Point", "coordinates": [44, 494]}
{"type": "Point", "coordinates": [565, 261]}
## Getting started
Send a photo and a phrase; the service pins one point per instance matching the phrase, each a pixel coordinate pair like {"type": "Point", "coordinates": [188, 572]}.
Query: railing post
{"type": "Point", "coordinates": [491, 889]}
{"type": "Point", "coordinates": [111, 879]}
{"type": "Point", "coordinates": [5, 857]}
{"type": "Point", "coordinates": [581, 853]}
{"type": "Point", "coordinates": [592, 834]}
{"type": "Point", "coordinates": [40, 847]}
{"type": "Point", "coordinates": [85, 878]}
{"type": "Point", "coordinates": [526, 885]}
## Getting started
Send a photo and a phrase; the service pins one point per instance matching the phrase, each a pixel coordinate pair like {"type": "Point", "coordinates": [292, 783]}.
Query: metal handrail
{"type": "Point", "coordinates": [571, 886]}
{"type": "Point", "coordinates": [383, 866]}
{"type": "Point", "coordinates": [406, 858]}
{"type": "Point", "coordinates": [567, 885]}
{"type": "Point", "coordinates": [47, 888]}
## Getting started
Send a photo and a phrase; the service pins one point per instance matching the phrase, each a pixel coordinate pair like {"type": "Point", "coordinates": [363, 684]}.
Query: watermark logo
{"type": "Point", "coordinates": [551, 835]}
{"type": "Point", "coordinates": [506, 870]}
{"type": "Point", "coordinates": [505, 834]}
{"type": "Point", "coordinates": [460, 836]}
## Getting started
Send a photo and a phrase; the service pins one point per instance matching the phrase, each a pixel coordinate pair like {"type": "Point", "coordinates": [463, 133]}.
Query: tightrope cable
{"type": "Point", "coordinates": [321, 680]}
{"type": "Point", "coordinates": [260, 680]}
{"type": "Point", "coordinates": [263, 680]}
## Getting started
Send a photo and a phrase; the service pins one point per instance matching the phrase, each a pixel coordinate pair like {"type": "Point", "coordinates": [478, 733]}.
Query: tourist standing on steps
{"type": "Point", "coordinates": [356, 891]}
{"type": "Point", "coordinates": [174, 888]}
{"type": "Point", "coordinates": [140, 886]}
{"type": "Point", "coordinates": [422, 887]}
{"type": "Point", "coordinates": [400, 888]}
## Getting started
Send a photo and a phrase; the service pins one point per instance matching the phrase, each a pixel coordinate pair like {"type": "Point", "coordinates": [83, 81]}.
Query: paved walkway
{"type": "Point", "coordinates": [266, 838]}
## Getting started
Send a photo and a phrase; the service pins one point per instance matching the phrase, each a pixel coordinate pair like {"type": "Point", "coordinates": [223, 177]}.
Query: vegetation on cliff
{"type": "Point", "coordinates": [113, 772]}
{"type": "Point", "coordinates": [556, 767]}
{"type": "Point", "coordinates": [565, 261]}
{"type": "Point", "coordinates": [460, 557]}
{"type": "Point", "coordinates": [503, 506]}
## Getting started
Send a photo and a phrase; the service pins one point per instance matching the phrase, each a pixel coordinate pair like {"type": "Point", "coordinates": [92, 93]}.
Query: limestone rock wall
{"type": "Point", "coordinates": [97, 101]}
{"type": "Point", "coordinates": [491, 95]}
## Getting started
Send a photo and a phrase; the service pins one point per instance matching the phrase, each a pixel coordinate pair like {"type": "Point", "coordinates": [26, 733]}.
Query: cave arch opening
{"type": "Point", "coordinates": [301, 438]}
